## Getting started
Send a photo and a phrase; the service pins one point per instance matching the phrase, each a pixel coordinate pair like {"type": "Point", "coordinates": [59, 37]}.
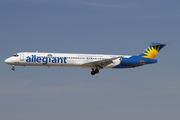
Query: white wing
{"type": "Point", "coordinates": [101, 64]}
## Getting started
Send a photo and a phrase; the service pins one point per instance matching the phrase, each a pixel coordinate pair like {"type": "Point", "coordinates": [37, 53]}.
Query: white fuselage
{"type": "Point", "coordinates": [92, 61]}
{"type": "Point", "coordinates": [60, 59]}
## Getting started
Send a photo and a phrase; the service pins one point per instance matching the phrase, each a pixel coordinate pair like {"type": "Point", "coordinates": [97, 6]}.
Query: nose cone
{"type": "Point", "coordinates": [8, 61]}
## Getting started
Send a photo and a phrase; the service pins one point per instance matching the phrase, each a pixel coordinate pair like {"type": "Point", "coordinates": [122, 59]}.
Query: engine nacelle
{"type": "Point", "coordinates": [132, 61]}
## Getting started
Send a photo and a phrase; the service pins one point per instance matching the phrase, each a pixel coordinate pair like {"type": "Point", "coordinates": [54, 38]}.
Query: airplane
{"type": "Point", "coordinates": [91, 61]}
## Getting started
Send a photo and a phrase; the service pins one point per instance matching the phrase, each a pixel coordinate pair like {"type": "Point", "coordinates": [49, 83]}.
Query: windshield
{"type": "Point", "coordinates": [15, 55]}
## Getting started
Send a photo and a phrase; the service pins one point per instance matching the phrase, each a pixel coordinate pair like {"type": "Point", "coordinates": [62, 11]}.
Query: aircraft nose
{"type": "Point", "coordinates": [8, 61]}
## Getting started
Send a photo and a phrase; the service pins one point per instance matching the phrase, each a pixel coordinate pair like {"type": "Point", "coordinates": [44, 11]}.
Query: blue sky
{"type": "Point", "coordinates": [90, 26]}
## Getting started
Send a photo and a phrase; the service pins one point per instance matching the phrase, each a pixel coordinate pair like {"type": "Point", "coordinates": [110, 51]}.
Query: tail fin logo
{"type": "Point", "coordinates": [152, 51]}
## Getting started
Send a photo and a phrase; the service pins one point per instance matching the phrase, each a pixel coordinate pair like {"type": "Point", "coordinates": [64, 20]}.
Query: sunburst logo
{"type": "Point", "coordinates": [49, 55]}
{"type": "Point", "coordinates": [152, 51]}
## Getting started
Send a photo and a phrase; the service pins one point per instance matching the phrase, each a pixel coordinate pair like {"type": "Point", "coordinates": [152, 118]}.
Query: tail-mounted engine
{"type": "Point", "coordinates": [136, 61]}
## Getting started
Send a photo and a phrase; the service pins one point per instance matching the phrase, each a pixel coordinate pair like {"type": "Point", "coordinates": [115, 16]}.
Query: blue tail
{"type": "Point", "coordinates": [152, 51]}
{"type": "Point", "coordinates": [147, 57]}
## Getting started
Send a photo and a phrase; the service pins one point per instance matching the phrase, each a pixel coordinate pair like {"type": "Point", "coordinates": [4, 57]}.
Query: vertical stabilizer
{"type": "Point", "coordinates": [152, 51]}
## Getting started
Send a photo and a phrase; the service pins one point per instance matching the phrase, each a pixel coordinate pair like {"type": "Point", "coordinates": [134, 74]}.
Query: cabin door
{"type": "Point", "coordinates": [21, 57]}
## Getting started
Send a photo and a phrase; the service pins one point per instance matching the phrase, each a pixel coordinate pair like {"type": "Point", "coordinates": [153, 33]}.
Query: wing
{"type": "Point", "coordinates": [101, 64]}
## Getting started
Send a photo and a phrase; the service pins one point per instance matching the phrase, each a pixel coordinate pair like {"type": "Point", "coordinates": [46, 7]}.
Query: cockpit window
{"type": "Point", "coordinates": [16, 55]}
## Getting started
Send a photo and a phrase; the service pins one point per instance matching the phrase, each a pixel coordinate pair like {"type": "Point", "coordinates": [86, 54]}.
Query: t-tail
{"type": "Point", "coordinates": [147, 57]}
{"type": "Point", "coordinates": [153, 50]}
